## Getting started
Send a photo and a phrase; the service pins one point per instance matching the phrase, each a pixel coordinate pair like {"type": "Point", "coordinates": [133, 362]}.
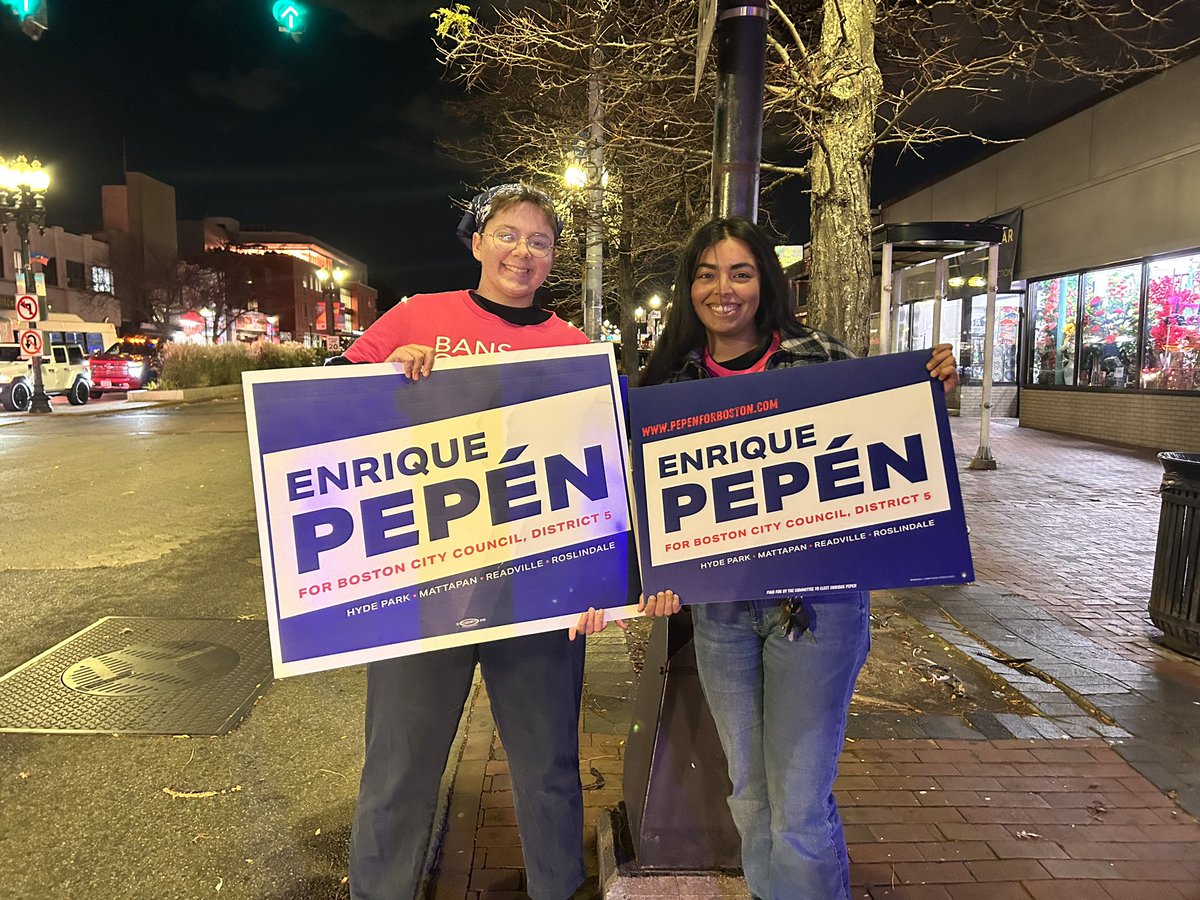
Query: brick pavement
{"type": "Point", "coordinates": [1063, 536]}
{"type": "Point", "coordinates": [1067, 524]}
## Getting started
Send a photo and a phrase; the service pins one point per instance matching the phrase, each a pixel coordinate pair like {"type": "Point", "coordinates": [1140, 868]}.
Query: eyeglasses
{"type": "Point", "coordinates": [536, 244]}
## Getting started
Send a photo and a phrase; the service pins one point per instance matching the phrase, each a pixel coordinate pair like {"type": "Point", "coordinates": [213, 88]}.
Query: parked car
{"type": "Point", "coordinates": [65, 371]}
{"type": "Point", "coordinates": [127, 365]}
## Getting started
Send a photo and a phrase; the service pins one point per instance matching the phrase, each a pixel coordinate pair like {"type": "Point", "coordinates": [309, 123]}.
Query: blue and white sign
{"type": "Point", "coordinates": [824, 478]}
{"type": "Point", "coordinates": [483, 502]}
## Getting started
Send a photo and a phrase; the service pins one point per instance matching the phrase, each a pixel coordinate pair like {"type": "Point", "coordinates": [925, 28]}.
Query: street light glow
{"type": "Point", "coordinates": [655, 301]}
{"type": "Point", "coordinates": [575, 176]}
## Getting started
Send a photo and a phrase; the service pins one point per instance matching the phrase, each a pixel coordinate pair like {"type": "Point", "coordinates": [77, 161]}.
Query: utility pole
{"type": "Point", "coordinates": [741, 34]}
{"type": "Point", "coordinates": [593, 272]}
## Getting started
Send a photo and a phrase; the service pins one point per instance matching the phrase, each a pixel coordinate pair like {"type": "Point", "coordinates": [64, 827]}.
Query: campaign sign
{"type": "Point", "coordinates": [483, 502]}
{"type": "Point", "coordinates": [815, 479]}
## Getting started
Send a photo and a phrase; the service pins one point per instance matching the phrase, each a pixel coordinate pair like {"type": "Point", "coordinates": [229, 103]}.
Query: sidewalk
{"type": "Point", "coordinates": [1094, 798]}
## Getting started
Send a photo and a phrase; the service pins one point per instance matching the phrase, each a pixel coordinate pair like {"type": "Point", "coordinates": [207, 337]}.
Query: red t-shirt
{"type": "Point", "coordinates": [454, 325]}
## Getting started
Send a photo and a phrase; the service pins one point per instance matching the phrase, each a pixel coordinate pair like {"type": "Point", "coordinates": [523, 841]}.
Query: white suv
{"type": "Point", "coordinates": [64, 371]}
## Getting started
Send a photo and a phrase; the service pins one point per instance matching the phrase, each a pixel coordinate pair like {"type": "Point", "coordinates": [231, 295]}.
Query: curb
{"type": "Point", "coordinates": [204, 393]}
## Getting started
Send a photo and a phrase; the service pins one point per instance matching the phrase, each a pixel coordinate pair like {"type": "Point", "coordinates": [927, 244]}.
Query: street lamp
{"type": "Point", "coordinates": [585, 175]}
{"type": "Point", "coordinates": [331, 291]}
{"type": "Point", "coordinates": [23, 187]}
{"type": "Point", "coordinates": [575, 176]}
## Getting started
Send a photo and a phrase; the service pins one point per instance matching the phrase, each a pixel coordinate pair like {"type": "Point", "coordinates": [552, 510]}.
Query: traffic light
{"type": "Point", "coordinates": [290, 15]}
{"type": "Point", "coordinates": [32, 15]}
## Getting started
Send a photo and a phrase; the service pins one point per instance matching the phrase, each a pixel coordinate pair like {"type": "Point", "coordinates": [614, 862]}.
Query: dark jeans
{"type": "Point", "coordinates": [413, 708]}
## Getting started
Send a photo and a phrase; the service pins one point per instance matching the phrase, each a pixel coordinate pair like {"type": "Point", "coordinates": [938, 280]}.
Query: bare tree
{"type": "Point", "coordinates": [843, 77]}
{"type": "Point", "coordinates": [218, 282]}
{"type": "Point", "coordinates": [854, 74]}
{"type": "Point", "coordinates": [530, 72]}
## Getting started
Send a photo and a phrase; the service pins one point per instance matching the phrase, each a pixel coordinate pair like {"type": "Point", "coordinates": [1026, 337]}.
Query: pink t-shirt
{"type": "Point", "coordinates": [454, 325]}
{"type": "Point", "coordinates": [718, 370]}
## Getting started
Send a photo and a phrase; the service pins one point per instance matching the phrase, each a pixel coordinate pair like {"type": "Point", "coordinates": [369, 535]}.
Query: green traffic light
{"type": "Point", "coordinates": [23, 8]}
{"type": "Point", "coordinates": [288, 13]}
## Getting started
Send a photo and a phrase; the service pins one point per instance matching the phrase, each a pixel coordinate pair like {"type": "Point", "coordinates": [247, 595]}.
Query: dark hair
{"type": "Point", "coordinates": [683, 333]}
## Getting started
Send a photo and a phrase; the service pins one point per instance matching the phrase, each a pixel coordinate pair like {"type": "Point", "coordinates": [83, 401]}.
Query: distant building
{"type": "Point", "coordinates": [140, 226]}
{"type": "Point", "coordinates": [295, 278]}
{"type": "Point", "coordinates": [74, 268]}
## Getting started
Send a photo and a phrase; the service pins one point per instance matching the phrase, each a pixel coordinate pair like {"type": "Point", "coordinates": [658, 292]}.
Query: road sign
{"type": "Point", "coordinates": [27, 307]}
{"type": "Point", "coordinates": [31, 342]}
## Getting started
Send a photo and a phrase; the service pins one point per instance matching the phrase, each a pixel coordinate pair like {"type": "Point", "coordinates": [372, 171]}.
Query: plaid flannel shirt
{"type": "Point", "coordinates": [807, 349]}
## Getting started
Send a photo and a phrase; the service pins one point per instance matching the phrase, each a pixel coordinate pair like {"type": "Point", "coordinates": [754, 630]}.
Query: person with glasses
{"type": "Point", "coordinates": [777, 677]}
{"type": "Point", "coordinates": [534, 682]}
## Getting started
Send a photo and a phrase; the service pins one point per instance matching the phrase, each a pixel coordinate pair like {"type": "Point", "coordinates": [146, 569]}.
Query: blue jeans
{"type": "Point", "coordinates": [413, 707]}
{"type": "Point", "coordinates": [780, 708]}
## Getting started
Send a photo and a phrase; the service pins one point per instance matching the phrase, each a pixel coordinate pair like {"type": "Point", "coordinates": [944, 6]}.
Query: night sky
{"type": "Point", "coordinates": [331, 136]}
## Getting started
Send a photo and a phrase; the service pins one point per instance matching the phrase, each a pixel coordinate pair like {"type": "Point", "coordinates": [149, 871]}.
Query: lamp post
{"type": "Point", "coordinates": [331, 291]}
{"type": "Point", "coordinates": [587, 175]}
{"type": "Point", "coordinates": [23, 187]}
{"type": "Point", "coordinates": [655, 303]}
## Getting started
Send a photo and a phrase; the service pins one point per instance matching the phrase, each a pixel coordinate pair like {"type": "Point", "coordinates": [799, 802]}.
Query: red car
{"type": "Point", "coordinates": [125, 366]}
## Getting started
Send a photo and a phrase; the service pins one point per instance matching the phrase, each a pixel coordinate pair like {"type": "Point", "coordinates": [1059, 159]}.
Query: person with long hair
{"type": "Point", "coordinates": [777, 677]}
{"type": "Point", "coordinates": [534, 682]}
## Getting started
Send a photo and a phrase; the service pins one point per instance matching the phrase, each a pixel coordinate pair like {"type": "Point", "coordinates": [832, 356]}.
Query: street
{"type": "Point", "coordinates": [121, 509]}
{"type": "Point", "coordinates": [148, 512]}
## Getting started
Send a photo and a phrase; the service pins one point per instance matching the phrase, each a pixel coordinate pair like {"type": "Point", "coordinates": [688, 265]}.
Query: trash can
{"type": "Point", "coordinates": [1175, 591]}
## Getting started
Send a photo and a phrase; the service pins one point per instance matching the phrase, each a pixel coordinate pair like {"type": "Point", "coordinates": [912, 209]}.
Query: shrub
{"type": "Point", "coordinates": [286, 356]}
{"type": "Point", "coordinates": [209, 365]}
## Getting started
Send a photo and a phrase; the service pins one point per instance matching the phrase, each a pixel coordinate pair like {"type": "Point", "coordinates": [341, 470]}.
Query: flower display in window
{"type": "Point", "coordinates": [1172, 315]}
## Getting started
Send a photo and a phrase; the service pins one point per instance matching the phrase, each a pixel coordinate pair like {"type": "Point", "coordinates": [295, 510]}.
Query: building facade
{"type": "Point", "coordinates": [317, 293]}
{"type": "Point", "coordinates": [1101, 332]}
{"type": "Point", "coordinates": [73, 271]}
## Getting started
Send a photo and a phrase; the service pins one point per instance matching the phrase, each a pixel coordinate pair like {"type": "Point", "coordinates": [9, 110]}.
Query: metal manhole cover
{"type": "Point", "coordinates": [150, 668]}
{"type": "Point", "coordinates": [125, 675]}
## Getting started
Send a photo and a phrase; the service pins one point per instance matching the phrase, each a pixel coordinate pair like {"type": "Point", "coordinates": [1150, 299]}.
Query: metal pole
{"type": "Point", "coordinates": [40, 402]}
{"type": "Point", "coordinates": [983, 456]}
{"type": "Point", "coordinates": [331, 289]}
{"type": "Point", "coordinates": [885, 298]}
{"type": "Point", "coordinates": [593, 273]}
{"type": "Point", "coordinates": [939, 296]}
{"type": "Point", "coordinates": [737, 131]}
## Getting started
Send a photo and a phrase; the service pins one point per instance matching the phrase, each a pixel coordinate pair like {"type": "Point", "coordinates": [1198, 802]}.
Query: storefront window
{"type": "Point", "coordinates": [1004, 339]}
{"type": "Point", "coordinates": [1172, 338]}
{"type": "Point", "coordinates": [903, 315]}
{"type": "Point", "coordinates": [1108, 349]}
{"type": "Point", "coordinates": [918, 282]}
{"type": "Point", "coordinates": [951, 331]}
{"type": "Point", "coordinates": [921, 328]}
{"type": "Point", "coordinates": [1054, 306]}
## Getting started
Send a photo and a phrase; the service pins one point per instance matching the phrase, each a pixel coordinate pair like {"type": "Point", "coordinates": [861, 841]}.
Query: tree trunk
{"type": "Point", "coordinates": [627, 293]}
{"type": "Point", "coordinates": [840, 172]}
{"type": "Point", "coordinates": [629, 324]}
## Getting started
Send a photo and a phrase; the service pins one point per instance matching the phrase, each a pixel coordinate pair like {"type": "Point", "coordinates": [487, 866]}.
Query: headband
{"type": "Point", "coordinates": [480, 209]}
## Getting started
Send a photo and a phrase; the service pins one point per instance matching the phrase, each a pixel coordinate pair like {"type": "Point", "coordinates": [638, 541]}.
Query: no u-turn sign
{"type": "Point", "coordinates": [31, 342]}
